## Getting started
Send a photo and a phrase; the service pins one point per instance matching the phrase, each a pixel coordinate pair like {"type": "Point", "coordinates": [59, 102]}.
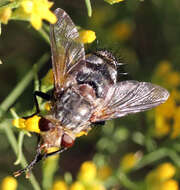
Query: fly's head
{"type": "Point", "coordinates": [52, 135]}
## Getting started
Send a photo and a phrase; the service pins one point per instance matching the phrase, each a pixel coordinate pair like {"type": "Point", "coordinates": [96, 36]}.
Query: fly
{"type": "Point", "coordinates": [85, 91]}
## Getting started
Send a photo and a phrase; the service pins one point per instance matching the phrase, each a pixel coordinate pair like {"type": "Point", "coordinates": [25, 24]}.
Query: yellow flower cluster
{"type": "Point", "coordinates": [9, 183]}
{"type": "Point", "coordinates": [89, 178]}
{"type": "Point", "coordinates": [33, 10]}
{"type": "Point", "coordinates": [87, 36]}
{"type": "Point", "coordinates": [166, 75]}
{"type": "Point", "coordinates": [161, 178]}
{"type": "Point", "coordinates": [30, 124]}
{"type": "Point", "coordinates": [37, 11]}
{"type": "Point", "coordinates": [167, 118]}
{"type": "Point", "coordinates": [130, 160]}
{"type": "Point", "coordinates": [59, 185]}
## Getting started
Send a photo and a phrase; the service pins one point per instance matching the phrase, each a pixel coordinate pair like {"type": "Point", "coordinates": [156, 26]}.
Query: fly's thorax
{"type": "Point", "coordinates": [72, 109]}
{"type": "Point", "coordinates": [103, 62]}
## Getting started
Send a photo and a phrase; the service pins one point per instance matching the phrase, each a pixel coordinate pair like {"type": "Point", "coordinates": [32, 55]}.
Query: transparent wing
{"type": "Point", "coordinates": [130, 97]}
{"type": "Point", "coordinates": [66, 49]}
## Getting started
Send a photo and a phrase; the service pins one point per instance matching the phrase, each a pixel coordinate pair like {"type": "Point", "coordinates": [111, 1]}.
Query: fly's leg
{"type": "Point", "coordinates": [41, 95]}
{"type": "Point", "coordinates": [99, 123]}
{"type": "Point", "coordinates": [55, 152]}
{"type": "Point", "coordinates": [38, 157]}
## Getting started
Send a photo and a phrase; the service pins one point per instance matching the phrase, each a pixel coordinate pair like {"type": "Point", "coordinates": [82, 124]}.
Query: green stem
{"type": "Point", "coordinates": [44, 35]}
{"type": "Point", "coordinates": [19, 152]}
{"type": "Point", "coordinates": [19, 88]}
{"type": "Point", "coordinates": [36, 80]}
{"type": "Point", "coordinates": [89, 8]}
{"type": "Point", "coordinates": [126, 182]}
{"type": "Point", "coordinates": [175, 157]}
{"type": "Point", "coordinates": [10, 5]}
{"type": "Point", "coordinates": [3, 2]}
{"type": "Point", "coordinates": [157, 155]}
{"type": "Point", "coordinates": [46, 27]}
{"type": "Point", "coordinates": [12, 140]}
{"type": "Point", "coordinates": [151, 157]}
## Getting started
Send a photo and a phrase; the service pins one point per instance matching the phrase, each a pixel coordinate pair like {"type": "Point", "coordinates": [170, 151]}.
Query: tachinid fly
{"type": "Point", "coordinates": [85, 91]}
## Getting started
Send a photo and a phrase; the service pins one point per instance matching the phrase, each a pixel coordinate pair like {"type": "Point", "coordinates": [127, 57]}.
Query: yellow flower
{"type": "Point", "coordinates": [162, 127]}
{"type": "Point", "coordinates": [122, 31]}
{"type": "Point", "coordinates": [9, 183]}
{"type": "Point", "coordinates": [168, 108]}
{"type": "Point", "coordinates": [167, 117]}
{"type": "Point", "coordinates": [130, 160]}
{"type": "Point", "coordinates": [176, 95]}
{"type": "Point", "coordinates": [5, 15]}
{"type": "Point", "coordinates": [87, 36]}
{"type": "Point", "coordinates": [165, 171]}
{"type": "Point", "coordinates": [96, 186]}
{"type": "Point", "coordinates": [160, 178]}
{"type": "Point", "coordinates": [87, 172]}
{"type": "Point", "coordinates": [104, 172]}
{"type": "Point", "coordinates": [170, 184]}
{"type": "Point", "coordinates": [113, 1]}
{"type": "Point", "coordinates": [77, 186]}
{"type": "Point", "coordinates": [31, 124]}
{"type": "Point", "coordinates": [27, 5]}
{"type": "Point", "coordinates": [60, 185]}
{"type": "Point", "coordinates": [19, 123]}
{"type": "Point", "coordinates": [173, 79]}
{"type": "Point", "coordinates": [176, 124]}
{"type": "Point", "coordinates": [38, 10]}
{"type": "Point", "coordinates": [163, 68]}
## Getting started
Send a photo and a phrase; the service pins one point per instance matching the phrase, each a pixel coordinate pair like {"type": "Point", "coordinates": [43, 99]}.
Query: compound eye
{"type": "Point", "coordinates": [67, 141]}
{"type": "Point", "coordinates": [45, 124]}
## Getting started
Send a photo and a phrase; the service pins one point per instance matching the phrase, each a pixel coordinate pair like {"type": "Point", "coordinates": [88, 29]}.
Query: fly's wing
{"type": "Point", "coordinates": [66, 49]}
{"type": "Point", "coordinates": [129, 97]}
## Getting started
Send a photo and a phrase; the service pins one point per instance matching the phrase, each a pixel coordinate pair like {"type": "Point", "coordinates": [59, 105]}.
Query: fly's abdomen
{"type": "Point", "coordinates": [72, 109]}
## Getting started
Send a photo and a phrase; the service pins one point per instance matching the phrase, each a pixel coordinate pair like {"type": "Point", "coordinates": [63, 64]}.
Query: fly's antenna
{"type": "Point", "coordinates": [38, 157]}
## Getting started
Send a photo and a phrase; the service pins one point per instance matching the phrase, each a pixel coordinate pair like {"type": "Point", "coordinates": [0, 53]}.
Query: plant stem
{"type": "Point", "coordinates": [44, 35]}
{"type": "Point", "coordinates": [20, 87]}
{"type": "Point", "coordinates": [89, 8]}
{"type": "Point", "coordinates": [151, 157]}
{"type": "Point", "coordinates": [14, 145]}
{"type": "Point", "coordinates": [9, 4]}
{"type": "Point", "coordinates": [124, 180]}
{"type": "Point", "coordinates": [19, 152]}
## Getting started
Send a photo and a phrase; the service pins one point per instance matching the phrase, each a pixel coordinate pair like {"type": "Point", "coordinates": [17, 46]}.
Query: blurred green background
{"type": "Point", "coordinates": [146, 36]}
